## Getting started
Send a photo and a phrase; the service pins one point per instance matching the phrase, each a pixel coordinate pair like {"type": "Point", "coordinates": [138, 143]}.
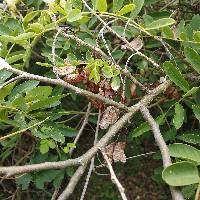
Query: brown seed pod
{"type": "Point", "coordinates": [109, 117]}
{"type": "Point", "coordinates": [172, 93]}
{"type": "Point", "coordinates": [115, 152]}
{"type": "Point", "coordinates": [62, 71]}
{"type": "Point", "coordinates": [74, 78]}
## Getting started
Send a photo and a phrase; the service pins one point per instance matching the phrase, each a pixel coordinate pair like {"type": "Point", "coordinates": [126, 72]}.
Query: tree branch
{"type": "Point", "coordinates": [176, 195]}
{"type": "Point", "coordinates": [146, 100]}
{"type": "Point", "coordinates": [73, 182]}
{"type": "Point", "coordinates": [13, 170]}
{"type": "Point", "coordinates": [114, 177]}
{"type": "Point", "coordinates": [122, 38]}
{"type": "Point", "coordinates": [82, 128]}
{"type": "Point", "coordinates": [124, 71]}
{"type": "Point", "coordinates": [92, 160]}
{"type": "Point", "coordinates": [26, 75]}
{"type": "Point", "coordinates": [11, 80]}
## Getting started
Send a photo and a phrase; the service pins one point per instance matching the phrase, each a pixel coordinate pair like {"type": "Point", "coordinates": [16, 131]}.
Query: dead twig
{"type": "Point", "coordinates": [114, 177]}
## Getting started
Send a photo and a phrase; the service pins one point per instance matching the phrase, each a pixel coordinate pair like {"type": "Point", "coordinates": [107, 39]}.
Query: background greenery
{"type": "Point", "coordinates": [39, 116]}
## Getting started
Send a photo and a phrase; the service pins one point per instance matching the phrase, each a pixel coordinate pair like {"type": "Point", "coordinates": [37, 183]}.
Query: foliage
{"type": "Point", "coordinates": [30, 41]}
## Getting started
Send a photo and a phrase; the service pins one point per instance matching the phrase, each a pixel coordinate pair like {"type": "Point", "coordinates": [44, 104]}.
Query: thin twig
{"type": "Point", "coordinates": [124, 71]}
{"type": "Point", "coordinates": [82, 128]}
{"type": "Point", "coordinates": [92, 161]}
{"type": "Point", "coordinates": [11, 80]}
{"type": "Point", "coordinates": [122, 38]}
{"type": "Point", "coordinates": [114, 177]}
{"type": "Point", "coordinates": [23, 130]}
{"type": "Point", "coordinates": [54, 196]}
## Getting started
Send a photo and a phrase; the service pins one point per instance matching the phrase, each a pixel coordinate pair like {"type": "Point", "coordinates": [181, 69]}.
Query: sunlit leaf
{"type": "Point", "coordinates": [126, 9]}
{"type": "Point", "coordinates": [138, 6]}
{"type": "Point", "coordinates": [101, 5]}
{"type": "Point", "coordinates": [74, 15]}
{"type": "Point", "coordinates": [160, 23]}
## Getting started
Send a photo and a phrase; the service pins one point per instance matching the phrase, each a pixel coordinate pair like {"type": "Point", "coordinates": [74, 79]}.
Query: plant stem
{"type": "Point", "coordinates": [198, 191]}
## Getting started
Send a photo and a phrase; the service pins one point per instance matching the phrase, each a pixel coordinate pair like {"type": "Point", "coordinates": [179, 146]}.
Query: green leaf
{"type": "Point", "coordinates": [66, 149]}
{"type": "Point", "coordinates": [43, 177]}
{"type": "Point", "coordinates": [184, 151]}
{"type": "Point", "coordinates": [107, 71]}
{"type": "Point", "coordinates": [196, 36]}
{"type": "Point", "coordinates": [36, 27]}
{"type": "Point", "coordinates": [179, 116]}
{"type": "Point", "coordinates": [74, 15]}
{"type": "Point", "coordinates": [44, 103]}
{"type": "Point", "coordinates": [59, 178]}
{"type": "Point", "coordinates": [48, 131]}
{"type": "Point", "coordinates": [144, 127]}
{"type": "Point", "coordinates": [30, 16]}
{"type": "Point", "coordinates": [95, 74]}
{"type": "Point", "coordinates": [4, 75]}
{"type": "Point", "coordinates": [193, 58]}
{"type": "Point", "coordinates": [44, 148]}
{"type": "Point", "coordinates": [13, 59]}
{"type": "Point", "coordinates": [138, 6]}
{"type": "Point", "coordinates": [24, 181]}
{"type": "Point", "coordinates": [126, 9]}
{"type": "Point", "coordinates": [5, 91]}
{"type": "Point", "coordinates": [167, 32]}
{"type": "Point", "coordinates": [22, 88]}
{"type": "Point", "coordinates": [192, 137]}
{"type": "Point", "coordinates": [196, 110]}
{"type": "Point", "coordinates": [191, 92]}
{"type": "Point", "coordinates": [58, 9]}
{"type": "Point", "coordinates": [38, 93]}
{"type": "Point", "coordinates": [90, 41]}
{"type": "Point", "coordinates": [77, 4]}
{"type": "Point", "coordinates": [160, 23]}
{"type": "Point", "coordinates": [117, 4]}
{"type": "Point", "coordinates": [25, 36]}
{"type": "Point", "coordinates": [101, 5]}
{"type": "Point", "coordinates": [189, 191]}
{"type": "Point", "coordinates": [180, 174]}
{"type": "Point", "coordinates": [4, 30]}
{"type": "Point", "coordinates": [176, 76]}
{"type": "Point", "coordinates": [51, 144]}
{"type": "Point", "coordinates": [115, 84]}
{"type": "Point", "coordinates": [71, 145]}
{"type": "Point", "coordinates": [7, 38]}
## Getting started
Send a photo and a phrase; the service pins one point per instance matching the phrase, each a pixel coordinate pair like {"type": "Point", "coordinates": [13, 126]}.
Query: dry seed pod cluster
{"type": "Point", "coordinates": [115, 152]}
{"type": "Point", "coordinates": [109, 117]}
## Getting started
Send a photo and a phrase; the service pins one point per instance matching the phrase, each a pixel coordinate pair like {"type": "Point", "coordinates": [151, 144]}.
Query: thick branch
{"type": "Point", "coordinates": [176, 195]}
{"type": "Point", "coordinates": [72, 183]}
{"type": "Point", "coordinates": [26, 75]}
{"type": "Point", "coordinates": [13, 170]}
